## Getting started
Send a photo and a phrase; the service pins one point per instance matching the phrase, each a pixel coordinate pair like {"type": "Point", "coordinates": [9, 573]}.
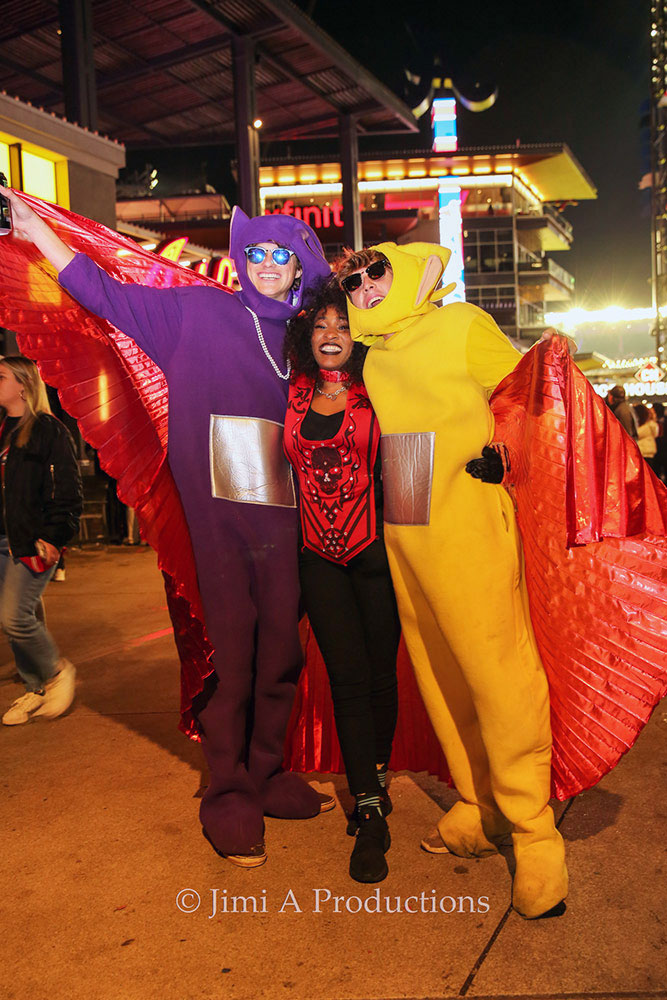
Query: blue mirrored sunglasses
{"type": "Point", "coordinates": [280, 255]}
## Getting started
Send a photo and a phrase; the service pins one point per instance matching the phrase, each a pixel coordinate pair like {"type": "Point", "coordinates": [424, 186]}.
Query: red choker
{"type": "Point", "coordinates": [328, 376]}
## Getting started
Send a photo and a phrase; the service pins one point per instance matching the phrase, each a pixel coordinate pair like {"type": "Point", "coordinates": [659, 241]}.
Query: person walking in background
{"type": "Point", "coordinates": [42, 503]}
{"type": "Point", "coordinates": [622, 410]}
{"type": "Point", "coordinates": [647, 433]}
{"type": "Point", "coordinates": [59, 575]}
{"type": "Point", "coordinates": [132, 536]}
{"type": "Point", "coordinates": [661, 442]}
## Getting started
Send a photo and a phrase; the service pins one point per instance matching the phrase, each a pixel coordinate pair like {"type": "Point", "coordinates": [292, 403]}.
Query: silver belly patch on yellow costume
{"type": "Point", "coordinates": [247, 461]}
{"type": "Point", "coordinates": [407, 476]}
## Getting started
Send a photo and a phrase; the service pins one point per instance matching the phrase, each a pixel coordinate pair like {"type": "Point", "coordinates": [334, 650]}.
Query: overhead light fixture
{"type": "Point", "coordinates": [257, 123]}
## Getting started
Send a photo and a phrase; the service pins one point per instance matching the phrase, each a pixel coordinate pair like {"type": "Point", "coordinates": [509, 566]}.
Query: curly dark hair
{"type": "Point", "coordinates": [642, 413]}
{"type": "Point", "coordinates": [297, 345]}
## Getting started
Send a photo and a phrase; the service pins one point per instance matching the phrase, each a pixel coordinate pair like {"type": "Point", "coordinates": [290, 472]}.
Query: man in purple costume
{"type": "Point", "coordinates": [222, 358]}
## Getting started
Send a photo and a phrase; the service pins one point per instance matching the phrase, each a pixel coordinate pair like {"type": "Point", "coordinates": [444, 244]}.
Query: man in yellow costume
{"type": "Point", "coordinates": [456, 560]}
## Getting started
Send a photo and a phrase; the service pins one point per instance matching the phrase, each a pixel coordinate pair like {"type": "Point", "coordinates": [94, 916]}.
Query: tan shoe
{"type": "Point", "coordinates": [255, 857]}
{"type": "Point", "coordinates": [433, 843]}
{"type": "Point", "coordinates": [470, 832]}
{"type": "Point", "coordinates": [59, 691]}
{"type": "Point", "coordinates": [23, 709]}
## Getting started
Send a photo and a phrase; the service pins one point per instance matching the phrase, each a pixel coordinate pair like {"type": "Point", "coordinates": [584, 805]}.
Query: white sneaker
{"type": "Point", "coordinates": [59, 691]}
{"type": "Point", "coordinates": [20, 710]}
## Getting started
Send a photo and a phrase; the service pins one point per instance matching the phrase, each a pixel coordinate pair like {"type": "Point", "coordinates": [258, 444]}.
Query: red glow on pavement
{"type": "Point", "coordinates": [149, 637]}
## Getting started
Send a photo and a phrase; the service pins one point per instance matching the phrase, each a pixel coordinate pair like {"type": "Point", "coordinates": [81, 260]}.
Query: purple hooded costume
{"type": "Point", "coordinates": [226, 410]}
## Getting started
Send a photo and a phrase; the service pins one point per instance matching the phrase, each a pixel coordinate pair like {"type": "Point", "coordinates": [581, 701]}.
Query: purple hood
{"type": "Point", "coordinates": [289, 232]}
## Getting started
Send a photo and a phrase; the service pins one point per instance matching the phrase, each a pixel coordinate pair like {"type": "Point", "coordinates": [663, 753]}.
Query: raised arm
{"type": "Point", "coordinates": [150, 316]}
{"type": "Point", "coordinates": [29, 225]}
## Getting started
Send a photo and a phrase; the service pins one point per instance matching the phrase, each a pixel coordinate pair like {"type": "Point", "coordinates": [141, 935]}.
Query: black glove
{"type": "Point", "coordinates": [489, 468]}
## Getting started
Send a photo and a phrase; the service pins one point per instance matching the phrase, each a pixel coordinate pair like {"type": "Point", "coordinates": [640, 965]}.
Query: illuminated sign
{"type": "Point", "coordinates": [39, 176]}
{"type": "Point", "coordinates": [420, 200]}
{"type": "Point", "coordinates": [640, 389]}
{"type": "Point", "coordinates": [449, 198]}
{"type": "Point", "coordinates": [34, 170]}
{"type": "Point", "coordinates": [172, 249]}
{"type": "Point", "coordinates": [443, 120]}
{"type": "Point", "coordinates": [221, 269]}
{"type": "Point", "coordinates": [650, 372]}
{"type": "Point", "coordinates": [313, 215]}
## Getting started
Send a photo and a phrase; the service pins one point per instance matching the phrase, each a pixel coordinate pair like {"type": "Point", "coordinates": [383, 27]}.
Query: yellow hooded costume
{"type": "Point", "coordinates": [456, 562]}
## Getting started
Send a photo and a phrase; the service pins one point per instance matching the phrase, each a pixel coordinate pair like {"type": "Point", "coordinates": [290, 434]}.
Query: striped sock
{"type": "Point", "coordinates": [382, 774]}
{"type": "Point", "coordinates": [367, 802]}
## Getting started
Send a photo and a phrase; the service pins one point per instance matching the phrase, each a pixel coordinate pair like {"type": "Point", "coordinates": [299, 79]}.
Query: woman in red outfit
{"type": "Point", "coordinates": [331, 439]}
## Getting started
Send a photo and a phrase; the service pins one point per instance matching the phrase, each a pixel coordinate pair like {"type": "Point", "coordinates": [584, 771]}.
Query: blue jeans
{"type": "Point", "coordinates": [34, 650]}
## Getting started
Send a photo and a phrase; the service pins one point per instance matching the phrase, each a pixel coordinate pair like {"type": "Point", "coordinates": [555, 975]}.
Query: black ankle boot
{"type": "Point", "coordinates": [385, 802]}
{"type": "Point", "coordinates": [368, 862]}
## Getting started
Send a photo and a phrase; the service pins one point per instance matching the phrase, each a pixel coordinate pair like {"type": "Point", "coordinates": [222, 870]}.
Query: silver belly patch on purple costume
{"type": "Point", "coordinates": [407, 476]}
{"type": "Point", "coordinates": [247, 461]}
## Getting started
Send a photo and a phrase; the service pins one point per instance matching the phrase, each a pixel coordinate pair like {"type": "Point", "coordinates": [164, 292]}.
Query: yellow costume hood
{"type": "Point", "coordinates": [417, 269]}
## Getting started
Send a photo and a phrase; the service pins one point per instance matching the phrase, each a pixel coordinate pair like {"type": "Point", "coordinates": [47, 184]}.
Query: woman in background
{"type": "Point", "coordinates": [661, 441]}
{"type": "Point", "coordinates": [41, 505]}
{"type": "Point", "coordinates": [647, 433]}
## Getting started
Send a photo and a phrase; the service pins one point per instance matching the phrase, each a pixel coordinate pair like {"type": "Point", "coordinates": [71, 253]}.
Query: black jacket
{"type": "Point", "coordinates": [623, 413]}
{"type": "Point", "coordinates": [41, 494]}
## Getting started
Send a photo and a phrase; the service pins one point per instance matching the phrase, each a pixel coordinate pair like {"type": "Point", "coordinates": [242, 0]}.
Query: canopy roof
{"type": "Point", "coordinates": [164, 77]}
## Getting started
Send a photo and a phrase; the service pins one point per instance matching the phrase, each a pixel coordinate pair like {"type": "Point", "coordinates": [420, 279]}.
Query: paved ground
{"type": "Point", "coordinates": [99, 836]}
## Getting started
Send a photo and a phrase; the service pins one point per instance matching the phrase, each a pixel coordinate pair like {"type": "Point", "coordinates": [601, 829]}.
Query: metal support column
{"type": "Point", "coordinates": [349, 157]}
{"type": "Point", "coordinates": [658, 102]}
{"type": "Point", "coordinates": [515, 264]}
{"type": "Point", "coordinates": [76, 51]}
{"type": "Point", "coordinates": [247, 139]}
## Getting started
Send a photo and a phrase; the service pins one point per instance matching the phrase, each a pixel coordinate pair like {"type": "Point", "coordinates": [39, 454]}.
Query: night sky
{"type": "Point", "coordinates": [575, 72]}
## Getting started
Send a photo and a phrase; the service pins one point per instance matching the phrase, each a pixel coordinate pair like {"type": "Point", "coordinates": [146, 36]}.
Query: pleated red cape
{"type": "Point", "coordinates": [592, 515]}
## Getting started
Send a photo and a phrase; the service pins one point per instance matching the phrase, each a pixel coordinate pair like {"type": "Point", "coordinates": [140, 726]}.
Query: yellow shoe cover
{"type": "Point", "coordinates": [470, 832]}
{"type": "Point", "coordinates": [540, 880]}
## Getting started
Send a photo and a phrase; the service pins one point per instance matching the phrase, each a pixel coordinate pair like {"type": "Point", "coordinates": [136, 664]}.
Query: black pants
{"type": "Point", "coordinates": [352, 610]}
{"type": "Point", "coordinates": [654, 462]}
{"type": "Point", "coordinates": [660, 467]}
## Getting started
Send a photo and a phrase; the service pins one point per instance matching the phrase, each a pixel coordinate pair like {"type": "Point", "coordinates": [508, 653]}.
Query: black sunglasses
{"type": "Point", "coordinates": [375, 271]}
